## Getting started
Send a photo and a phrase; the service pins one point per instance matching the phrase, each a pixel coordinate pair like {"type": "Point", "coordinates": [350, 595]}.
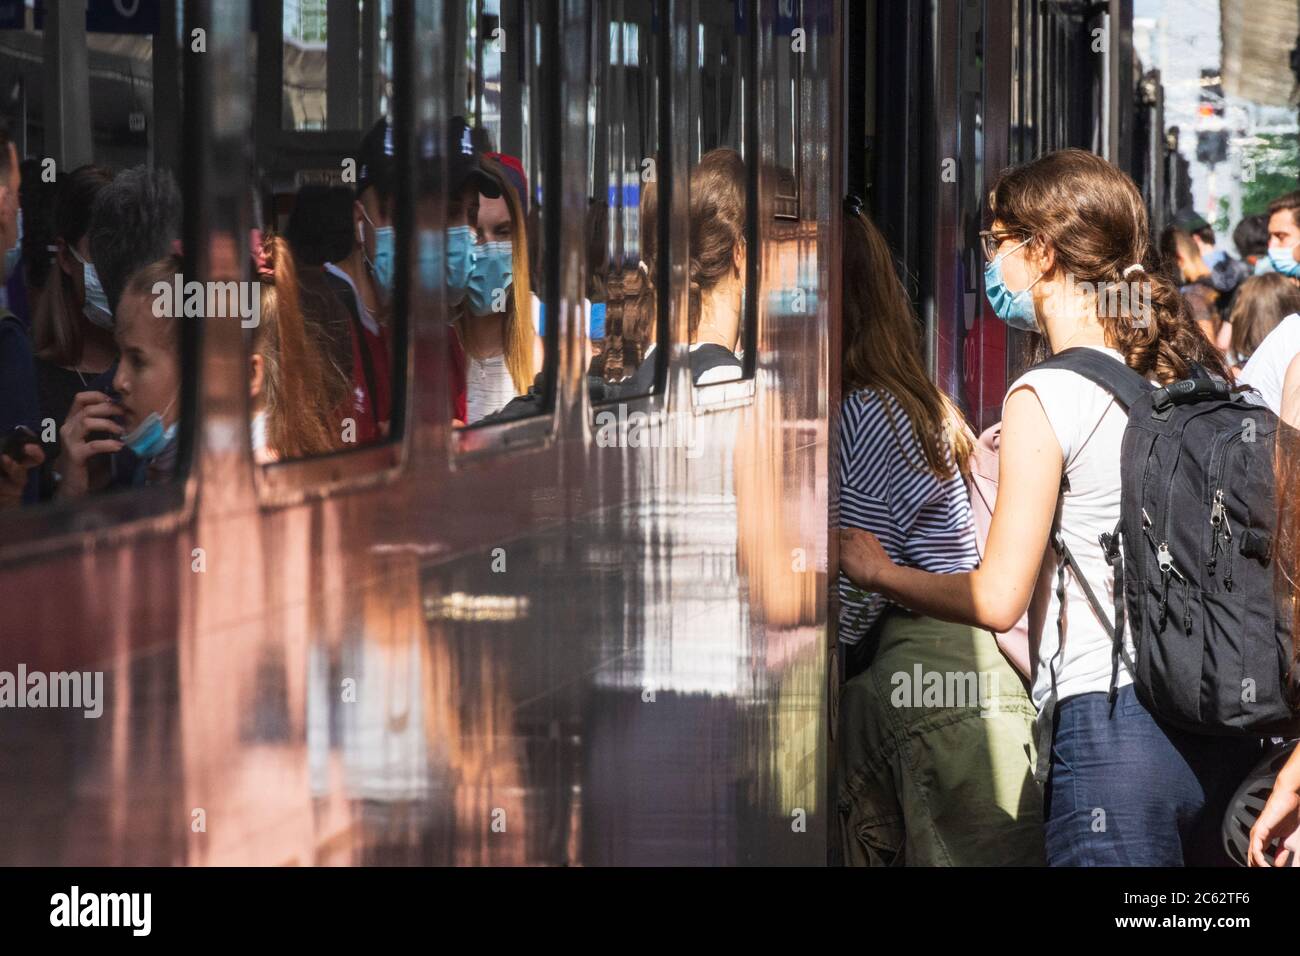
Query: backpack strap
{"type": "Point", "coordinates": [1110, 550]}
{"type": "Point", "coordinates": [1115, 377]}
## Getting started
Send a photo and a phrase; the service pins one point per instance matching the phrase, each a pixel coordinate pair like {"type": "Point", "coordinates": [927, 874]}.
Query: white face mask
{"type": "Point", "coordinates": [95, 308]}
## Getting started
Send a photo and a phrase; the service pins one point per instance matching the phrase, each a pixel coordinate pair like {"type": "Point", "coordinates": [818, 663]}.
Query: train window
{"type": "Point", "coordinates": [497, 276]}
{"type": "Point", "coordinates": [330, 282]}
{"type": "Point", "coordinates": [787, 77]}
{"type": "Point", "coordinates": [719, 192]}
{"type": "Point", "coordinates": [622, 225]}
{"type": "Point", "coordinates": [94, 349]}
{"type": "Point", "coordinates": [338, 64]}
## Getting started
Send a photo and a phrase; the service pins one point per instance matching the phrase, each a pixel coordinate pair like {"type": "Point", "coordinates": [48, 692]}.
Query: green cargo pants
{"type": "Point", "coordinates": [937, 753]}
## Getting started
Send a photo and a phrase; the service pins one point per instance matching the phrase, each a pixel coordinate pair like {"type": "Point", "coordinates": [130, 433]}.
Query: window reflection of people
{"type": "Point", "coordinates": [364, 281]}
{"type": "Point", "coordinates": [73, 327]}
{"type": "Point", "coordinates": [717, 267]}
{"type": "Point", "coordinates": [145, 414]}
{"type": "Point", "coordinates": [17, 376]}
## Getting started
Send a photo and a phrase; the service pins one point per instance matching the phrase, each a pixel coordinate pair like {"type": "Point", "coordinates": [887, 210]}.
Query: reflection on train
{"type": "Point", "coordinates": [422, 416]}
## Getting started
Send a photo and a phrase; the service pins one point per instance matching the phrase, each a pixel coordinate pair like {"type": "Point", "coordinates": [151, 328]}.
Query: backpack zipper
{"type": "Point", "coordinates": [1165, 561]}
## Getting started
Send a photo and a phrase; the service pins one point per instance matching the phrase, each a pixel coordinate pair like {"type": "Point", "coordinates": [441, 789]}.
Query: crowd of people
{"type": "Point", "coordinates": [1076, 769]}
{"type": "Point", "coordinates": [91, 375]}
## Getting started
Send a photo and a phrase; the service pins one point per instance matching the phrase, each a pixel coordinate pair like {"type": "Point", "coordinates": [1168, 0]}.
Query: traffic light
{"type": "Point", "coordinates": [1211, 132]}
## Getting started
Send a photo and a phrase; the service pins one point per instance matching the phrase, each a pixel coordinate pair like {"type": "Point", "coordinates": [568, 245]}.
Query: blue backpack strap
{"type": "Point", "coordinates": [1115, 377]}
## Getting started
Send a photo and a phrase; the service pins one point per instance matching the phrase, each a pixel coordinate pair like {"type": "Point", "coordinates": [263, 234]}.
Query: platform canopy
{"type": "Point", "coordinates": [1257, 43]}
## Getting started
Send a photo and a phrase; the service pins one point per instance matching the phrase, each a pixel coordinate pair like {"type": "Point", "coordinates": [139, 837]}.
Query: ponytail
{"type": "Point", "coordinates": [300, 421]}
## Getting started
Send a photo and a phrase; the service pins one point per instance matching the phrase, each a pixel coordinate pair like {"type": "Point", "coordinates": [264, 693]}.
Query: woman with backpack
{"type": "Point", "coordinates": [1121, 787]}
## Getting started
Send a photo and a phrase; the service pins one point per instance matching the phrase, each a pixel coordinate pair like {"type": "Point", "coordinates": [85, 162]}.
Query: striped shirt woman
{"type": "Point", "coordinates": [885, 487]}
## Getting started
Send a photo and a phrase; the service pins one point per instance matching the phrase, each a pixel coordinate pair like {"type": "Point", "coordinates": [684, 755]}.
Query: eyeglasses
{"type": "Point", "coordinates": [992, 240]}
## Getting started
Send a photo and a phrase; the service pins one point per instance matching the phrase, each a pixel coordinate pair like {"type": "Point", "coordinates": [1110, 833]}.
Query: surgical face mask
{"type": "Point", "coordinates": [95, 308]}
{"type": "Point", "coordinates": [12, 255]}
{"type": "Point", "coordinates": [149, 439]}
{"type": "Point", "coordinates": [489, 276]}
{"type": "Point", "coordinates": [1282, 260]}
{"type": "Point", "coordinates": [1263, 265]}
{"type": "Point", "coordinates": [1016, 309]}
{"type": "Point", "coordinates": [381, 267]}
{"type": "Point", "coordinates": [460, 245]}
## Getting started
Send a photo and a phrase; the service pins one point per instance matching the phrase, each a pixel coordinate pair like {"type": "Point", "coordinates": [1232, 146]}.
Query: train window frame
{"type": "Point", "coordinates": [655, 400]}
{"type": "Point", "coordinates": [284, 484]}
{"type": "Point", "coordinates": [787, 205]}
{"type": "Point", "coordinates": [127, 515]}
{"type": "Point", "coordinates": [470, 444]}
{"type": "Point", "coordinates": [739, 392]}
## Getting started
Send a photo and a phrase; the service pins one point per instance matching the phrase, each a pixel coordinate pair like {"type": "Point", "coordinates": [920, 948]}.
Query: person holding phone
{"type": "Point", "coordinates": [143, 414]}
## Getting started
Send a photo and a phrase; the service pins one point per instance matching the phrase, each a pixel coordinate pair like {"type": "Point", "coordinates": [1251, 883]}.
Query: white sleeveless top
{"type": "Point", "coordinates": [488, 387]}
{"type": "Point", "coordinates": [1089, 427]}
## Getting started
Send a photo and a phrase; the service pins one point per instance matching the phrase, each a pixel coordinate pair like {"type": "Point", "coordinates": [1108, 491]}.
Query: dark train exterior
{"type": "Point", "coordinates": [516, 644]}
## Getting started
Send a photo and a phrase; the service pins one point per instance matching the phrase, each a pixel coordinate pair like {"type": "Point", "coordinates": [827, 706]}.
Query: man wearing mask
{"type": "Point", "coordinates": [1270, 369]}
{"type": "Point", "coordinates": [18, 400]}
{"type": "Point", "coordinates": [363, 280]}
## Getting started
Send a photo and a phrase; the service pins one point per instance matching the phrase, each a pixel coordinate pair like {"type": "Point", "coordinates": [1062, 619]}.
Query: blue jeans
{"type": "Point", "coordinates": [1126, 790]}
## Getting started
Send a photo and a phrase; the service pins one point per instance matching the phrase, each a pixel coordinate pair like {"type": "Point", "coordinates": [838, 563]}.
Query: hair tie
{"type": "Point", "coordinates": [1135, 267]}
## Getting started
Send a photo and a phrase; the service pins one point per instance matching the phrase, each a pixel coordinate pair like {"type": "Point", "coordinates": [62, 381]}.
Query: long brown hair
{"type": "Point", "coordinates": [1093, 218]}
{"type": "Point", "coordinates": [300, 386]}
{"type": "Point", "coordinates": [882, 350]}
{"type": "Point", "coordinates": [1260, 304]}
{"type": "Point", "coordinates": [57, 326]}
{"type": "Point", "coordinates": [717, 221]}
{"type": "Point", "coordinates": [1287, 486]}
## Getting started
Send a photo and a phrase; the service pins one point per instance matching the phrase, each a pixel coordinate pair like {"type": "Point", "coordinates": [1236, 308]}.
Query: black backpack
{"type": "Point", "coordinates": [1192, 555]}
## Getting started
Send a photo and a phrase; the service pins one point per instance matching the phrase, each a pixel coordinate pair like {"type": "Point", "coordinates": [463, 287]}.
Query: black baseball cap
{"type": "Point", "coordinates": [464, 162]}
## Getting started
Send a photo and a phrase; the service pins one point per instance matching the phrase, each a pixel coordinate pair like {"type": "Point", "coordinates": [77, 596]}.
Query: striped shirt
{"type": "Point", "coordinates": [885, 488]}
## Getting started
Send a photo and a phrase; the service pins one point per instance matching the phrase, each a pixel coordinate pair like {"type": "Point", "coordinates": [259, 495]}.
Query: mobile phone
{"type": "Point", "coordinates": [15, 441]}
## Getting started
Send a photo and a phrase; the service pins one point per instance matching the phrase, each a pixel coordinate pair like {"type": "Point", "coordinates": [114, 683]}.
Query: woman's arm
{"type": "Point", "coordinates": [1290, 412]}
{"type": "Point", "coordinates": [996, 594]}
{"type": "Point", "coordinates": [1279, 821]}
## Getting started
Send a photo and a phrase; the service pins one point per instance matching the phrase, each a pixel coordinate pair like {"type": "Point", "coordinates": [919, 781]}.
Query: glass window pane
{"type": "Point", "coordinates": [91, 370]}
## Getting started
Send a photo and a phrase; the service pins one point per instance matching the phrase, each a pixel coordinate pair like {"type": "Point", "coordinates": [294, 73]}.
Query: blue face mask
{"type": "Point", "coordinates": [381, 267]}
{"type": "Point", "coordinates": [1016, 309]}
{"type": "Point", "coordinates": [95, 308]}
{"type": "Point", "coordinates": [149, 439]}
{"type": "Point", "coordinates": [12, 255]}
{"type": "Point", "coordinates": [1262, 265]}
{"type": "Point", "coordinates": [460, 245]}
{"type": "Point", "coordinates": [489, 277]}
{"type": "Point", "coordinates": [1283, 260]}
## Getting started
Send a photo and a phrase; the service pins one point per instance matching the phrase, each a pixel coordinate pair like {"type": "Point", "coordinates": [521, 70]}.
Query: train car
{"type": "Point", "coordinates": [595, 632]}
